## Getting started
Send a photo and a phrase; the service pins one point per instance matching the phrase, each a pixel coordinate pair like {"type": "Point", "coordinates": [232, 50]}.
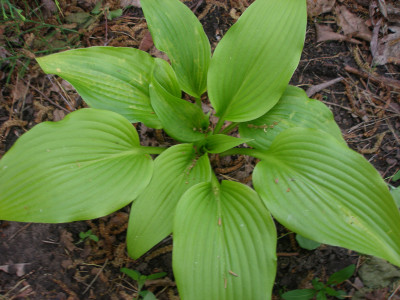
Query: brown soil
{"type": "Point", "coordinates": [45, 261]}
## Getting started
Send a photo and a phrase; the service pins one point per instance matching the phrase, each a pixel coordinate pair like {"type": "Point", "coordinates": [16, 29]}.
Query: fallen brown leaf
{"type": "Point", "coordinates": [393, 13]}
{"type": "Point", "coordinates": [18, 269]}
{"type": "Point", "coordinates": [66, 240]}
{"type": "Point", "coordinates": [311, 91]}
{"type": "Point", "coordinates": [317, 7]}
{"type": "Point", "coordinates": [325, 33]}
{"type": "Point", "coordinates": [351, 24]}
{"type": "Point", "coordinates": [126, 3]}
{"type": "Point", "coordinates": [49, 7]}
{"type": "Point", "coordinates": [147, 42]}
{"type": "Point", "coordinates": [388, 48]}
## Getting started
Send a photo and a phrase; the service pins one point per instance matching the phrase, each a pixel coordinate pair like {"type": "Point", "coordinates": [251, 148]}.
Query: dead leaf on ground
{"type": "Point", "coordinates": [49, 7]}
{"type": "Point", "coordinates": [58, 115]}
{"type": "Point", "coordinates": [393, 13]}
{"type": "Point", "coordinates": [19, 91]}
{"type": "Point", "coordinates": [18, 269]}
{"type": "Point", "coordinates": [388, 48]}
{"type": "Point", "coordinates": [317, 7]}
{"type": "Point", "coordinates": [147, 42]}
{"type": "Point", "coordinates": [325, 33]}
{"type": "Point", "coordinates": [126, 3]}
{"type": "Point", "coordinates": [66, 240]}
{"type": "Point", "coordinates": [352, 25]}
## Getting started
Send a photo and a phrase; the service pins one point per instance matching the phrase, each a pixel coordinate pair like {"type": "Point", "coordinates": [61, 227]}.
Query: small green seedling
{"type": "Point", "coordinates": [87, 235]}
{"type": "Point", "coordinates": [321, 290]}
{"type": "Point", "coordinates": [92, 163]}
{"type": "Point", "coordinates": [13, 12]}
{"type": "Point", "coordinates": [141, 280]}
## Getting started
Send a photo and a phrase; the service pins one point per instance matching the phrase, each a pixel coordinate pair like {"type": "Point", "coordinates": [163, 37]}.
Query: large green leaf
{"type": "Point", "coordinates": [218, 143]}
{"type": "Point", "coordinates": [152, 213]}
{"type": "Point", "coordinates": [177, 32]}
{"type": "Point", "coordinates": [85, 166]}
{"type": "Point", "coordinates": [224, 244]}
{"type": "Point", "coordinates": [255, 60]}
{"type": "Point", "coordinates": [318, 187]}
{"type": "Point", "coordinates": [294, 109]}
{"type": "Point", "coordinates": [182, 120]}
{"type": "Point", "coordinates": [115, 79]}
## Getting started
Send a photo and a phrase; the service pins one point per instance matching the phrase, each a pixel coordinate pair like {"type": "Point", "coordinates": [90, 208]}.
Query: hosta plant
{"type": "Point", "coordinates": [92, 163]}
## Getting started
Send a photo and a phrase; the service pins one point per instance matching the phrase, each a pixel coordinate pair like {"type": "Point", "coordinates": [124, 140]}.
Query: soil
{"type": "Point", "coordinates": [48, 261]}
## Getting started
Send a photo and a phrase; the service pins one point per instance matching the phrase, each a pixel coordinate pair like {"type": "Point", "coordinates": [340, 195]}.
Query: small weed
{"type": "Point", "coordinates": [87, 235]}
{"type": "Point", "coordinates": [9, 11]}
{"type": "Point", "coordinates": [321, 290]}
{"type": "Point", "coordinates": [141, 280]}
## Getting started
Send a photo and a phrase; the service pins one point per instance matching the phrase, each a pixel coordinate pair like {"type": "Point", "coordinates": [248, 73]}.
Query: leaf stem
{"type": "Point", "coordinates": [198, 102]}
{"type": "Point", "coordinates": [230, 127]}
{"type": "Point", "coordinates": [245, 151]}
{"type": "Point", "coordinates": [218, 126]}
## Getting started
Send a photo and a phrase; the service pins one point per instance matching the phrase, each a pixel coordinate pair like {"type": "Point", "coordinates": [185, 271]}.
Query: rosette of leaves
{"type": "Point", "coordinates": [92, 163]}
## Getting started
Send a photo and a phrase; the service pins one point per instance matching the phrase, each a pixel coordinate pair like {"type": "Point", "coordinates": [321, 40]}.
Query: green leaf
{"type": "Point", "coordinates": [318, 285]}
{"type": "Point", "coordinates": [307, 243]}
{"type": "Point", "coordinates": [340, 294]}
{"type": "Point", "coordinates": [321, 295]}
{"type": "Point", "coordinates": [164, 75]}
{"type": "Point", "coordinates": [177, 32]}
{"type": "Point", "coordinates": [112, 14]}
{"type": "Point", "coordinates": [135, 275]}
{"type": "Point", "coordinates": [78, 17]}
{"type": "Point", "coordinates": [147, 295]}
{"type": "Point", "coordinates": [156, 275]}
{"type": "Point", "coordinates": [86, 166]}
{"type": "Point", "coordinates": [395, 192]}
{"type": "Point", "coordinates": [331, 292]}
{"type": "Point", "coordinates": [115, 79]}
{"type": "Point", "coordinates": [294, 109]}
{"type": "Point", "coordinates": [316, 186]}
{"type": "Point", "coordinates": [254, 61]}
{"type": "Point", "coordinates": [303, 294]}
{"type": "Point", "coordinates": [396, 176]}
{"type": "Point", "coordinates": [218, 143]}
{"type": "Point", "coordinates": [224, 243]}
{"type": "Point", "coordinates": [97, 8]}
{"type": "Point", "coordinates": [176, 170]}
{"type": "Point", "coordinates": [182, 120]}
{"type": "Point", "coordinates": [342, 275]}
{"type": "Point", "coordinates": [94, 238]}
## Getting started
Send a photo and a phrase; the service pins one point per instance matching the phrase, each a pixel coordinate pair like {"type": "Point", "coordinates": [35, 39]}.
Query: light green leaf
{"type": "Point", "coordinates": [294, 109]}
{"type": "Point", "coordinates": [115, 79]}
{"type": "Point", "coordinates": [396, 176]}
{"type": "Point", "coordinates": [218, 143]}
{"type": "Point", "coordinates": [112, 14]}
{"type": "Point", "coordinates": [177, 32]}
{"type": "Point", "coordinates": [156, 275]}
{"type": "Point", "coordinates": [135, 275]}
{"type": "Point", "coordinates": [395, 192]}
{"type": "Point", "coordinates": [254, 61]}
{"type": "Point", "coordinates": [318, 187]}
{"type": "Point", "coordinates": [148, 295]}
{"type": "Point", "coordinates": [341, 275]}
{"type": "Point", "coordinates": [224, 244]}
{"type": "Point", "coordinates": [176, 170]}
{"type": "Point", "coordinates": [306, 243]}
{"type": "Point", "coordinates": [86, 166]}
{"type": "Point", "coordinates": [303, 294]}
{"type": "Point", "coordinates": [182, 120]}
{"type": "Point", "coordinates": [165, 76]}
